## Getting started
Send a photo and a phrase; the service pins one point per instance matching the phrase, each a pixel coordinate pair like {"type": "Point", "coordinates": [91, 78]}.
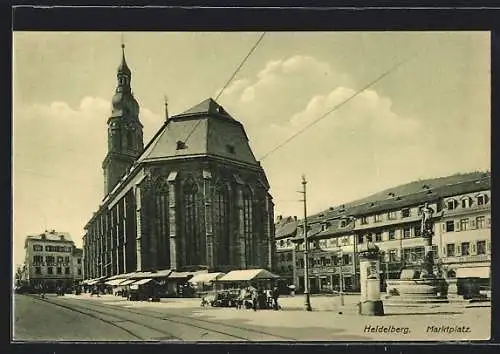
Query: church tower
{"type": "Point", "coordinates": [125, 140]}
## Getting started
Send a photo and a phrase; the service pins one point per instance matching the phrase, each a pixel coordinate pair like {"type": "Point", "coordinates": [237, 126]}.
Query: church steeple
{"type": "Point", "coordinates": [125, 139]}
{"type": "Point", "coordinates": [123, 74]}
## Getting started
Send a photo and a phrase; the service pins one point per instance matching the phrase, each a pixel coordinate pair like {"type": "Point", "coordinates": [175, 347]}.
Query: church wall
{"type": "Point", "coordinates": [205, 176]}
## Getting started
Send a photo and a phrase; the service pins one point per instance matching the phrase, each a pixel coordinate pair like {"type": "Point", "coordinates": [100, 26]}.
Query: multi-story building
{"type": "Point", "coordinates": [50, 259]}
{"type": "Point", "coordinates": [78, 264]}
{"type": "Point", "coordinates": [392, 220]}
{"type": "Point", "coordinates": [194, 197]}
{"type": "Point", "coordinates": [286, 230]}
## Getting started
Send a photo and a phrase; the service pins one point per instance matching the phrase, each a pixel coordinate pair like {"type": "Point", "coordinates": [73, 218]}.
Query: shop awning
{"type": "Point", "coordinates": [160, 273]}
{"type": "Point", "coordinates": [473, 272]}
{"type": "Point", "coordinates": [205, 277]}
{"type": "Point", "coordinates": [114, 282]}
{"type": "Point", "coordinates": [180, 275]}
{"type": "Point", "coordinates": [248, 274]}
{"type": "Point", "coordinates": [127, 282]}
{"type": "Point", "coordinates": [143, 281]}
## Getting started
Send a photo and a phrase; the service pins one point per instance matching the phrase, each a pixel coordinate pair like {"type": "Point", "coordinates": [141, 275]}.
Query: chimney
{"type": "Point", "coordinates": [295, 217]}
{"type": "Point", "coordinates": [280, 217]}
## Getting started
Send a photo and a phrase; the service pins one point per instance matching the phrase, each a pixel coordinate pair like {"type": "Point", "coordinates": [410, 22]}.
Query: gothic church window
{"type": "Point", "coordinates": [191, 221]}
{"type": "Point", "coordinates": [221, 210]}
{"type": "Point", "coordinates": [161, 201]}
{"type": "Point", "coordinates": [248, 227]}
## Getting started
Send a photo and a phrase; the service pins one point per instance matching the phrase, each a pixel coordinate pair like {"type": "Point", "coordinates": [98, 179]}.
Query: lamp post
{"type": "Point", "coordinates": [307, 303]}
{"type": "Point", "coordinates": [341, 292]}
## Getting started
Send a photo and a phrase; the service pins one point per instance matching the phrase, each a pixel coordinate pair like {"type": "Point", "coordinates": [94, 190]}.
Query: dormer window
{"type": "Point", "coordinates": [405, 213]}
{"type": "Point", "coordinates": [451, 204]}
{"type": "Point", "coordinates": [343, 223]}
{"type": "Point", "coordinates": [181, 145]}
{"type": "Point", "coordinates": [391, 215]}
{"type": "Point", "coordinates": [466, 202]}
{"type": "Point", "coordinates": [230, 149]}
{"type": "Point", "coordinates": [482, 199]}
{"type": "Point", "coordinates": [324, 226]}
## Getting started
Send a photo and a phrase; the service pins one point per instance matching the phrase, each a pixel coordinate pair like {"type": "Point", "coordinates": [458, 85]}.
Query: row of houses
{"type": "Point", "coordinates": [392, 220]}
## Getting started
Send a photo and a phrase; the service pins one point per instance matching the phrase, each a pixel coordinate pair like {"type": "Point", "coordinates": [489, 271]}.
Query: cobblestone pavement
{"type": "Point", "coordinates": [330, 321]}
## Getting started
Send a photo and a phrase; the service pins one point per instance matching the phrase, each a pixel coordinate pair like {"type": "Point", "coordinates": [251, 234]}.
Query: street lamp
{"type": "Point", "coordinates": [307, 303]}
{"type": "Point", "coordinates": [341, 292]}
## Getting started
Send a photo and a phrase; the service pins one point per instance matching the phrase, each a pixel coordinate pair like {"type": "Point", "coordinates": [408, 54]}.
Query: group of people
{"type": "Point", "coordinates": [260, 299]}
{"type": "Point", "coordinates": [247, 297]}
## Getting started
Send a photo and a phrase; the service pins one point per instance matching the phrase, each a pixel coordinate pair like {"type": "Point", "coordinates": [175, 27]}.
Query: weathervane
{"type": "Point", "coordinates": [166, 107]}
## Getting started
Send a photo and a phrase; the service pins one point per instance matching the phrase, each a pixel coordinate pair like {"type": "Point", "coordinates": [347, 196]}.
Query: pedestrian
{"type": "Point", "coordinates": [255, 299]}
{"type": "Point", "coordinates": [275, 295]}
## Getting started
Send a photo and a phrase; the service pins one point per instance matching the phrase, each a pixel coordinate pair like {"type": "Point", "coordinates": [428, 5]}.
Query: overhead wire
{"type": "Point", "coordinates": [339, 105]}
{"type": "Point", "coordinates": [229, 81]}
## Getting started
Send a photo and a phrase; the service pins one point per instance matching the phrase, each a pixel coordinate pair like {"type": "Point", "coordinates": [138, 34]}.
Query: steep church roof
{"type": "Point", "coordinates": [203, 130]}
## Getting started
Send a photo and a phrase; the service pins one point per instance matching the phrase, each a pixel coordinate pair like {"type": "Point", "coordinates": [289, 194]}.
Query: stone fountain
{"type": "Point", "coordinates": [419, 284]}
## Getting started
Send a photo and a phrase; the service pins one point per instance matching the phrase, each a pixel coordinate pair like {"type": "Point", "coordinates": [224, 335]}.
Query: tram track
{"type": "Point", "coordinates": [209, 329]}
{"type": "Point", "coordinates": [185, 319]}
{"type": "Point", "coordinates": [112, 323]}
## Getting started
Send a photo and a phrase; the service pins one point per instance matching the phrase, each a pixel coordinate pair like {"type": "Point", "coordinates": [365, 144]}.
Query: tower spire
{"type": "Point", "coordinates": [123, 46]}
{"type": "Point", "coordinates": [123, 68]}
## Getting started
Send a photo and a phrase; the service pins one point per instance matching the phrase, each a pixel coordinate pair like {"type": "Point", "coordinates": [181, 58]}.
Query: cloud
{"type": "Point", "coordinates": [362, 147]}
{"type": "Point", "coordinates": [281, 88]}
{"type": "Point", "coordinates": [57, 175]}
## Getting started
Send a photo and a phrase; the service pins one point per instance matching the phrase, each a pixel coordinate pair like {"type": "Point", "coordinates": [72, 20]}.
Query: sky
{"type": "Point", "coordinates": [430, 117]}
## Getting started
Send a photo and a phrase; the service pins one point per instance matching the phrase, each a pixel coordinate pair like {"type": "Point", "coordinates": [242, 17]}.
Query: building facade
{"type": "Point", "coordinates": [392, 220]}
{"type": "Point", "coordinates": [50, 259]}
{"type": "Point", "coordinates": [286, 231]}
{"type": "Point", "coordinates": [193, 198]}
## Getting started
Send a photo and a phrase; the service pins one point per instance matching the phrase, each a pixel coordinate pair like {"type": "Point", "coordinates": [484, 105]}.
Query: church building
{"type": "Point", "coordinates": [194, 197]}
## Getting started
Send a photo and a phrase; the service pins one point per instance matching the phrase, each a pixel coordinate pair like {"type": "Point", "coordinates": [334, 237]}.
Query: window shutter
{"type": "Point", "coordinates": [457, 226]}
{"type": "Point", "coordinates": [472, 248]}
{"type": "Point", "coordinates": [443, 227]}
{"type": "Point", "coordinates": [488, 246]}
{"type": "Point", "coordinates": [458, 251]}
{"type": "Point", "coordinates": [488, 222]}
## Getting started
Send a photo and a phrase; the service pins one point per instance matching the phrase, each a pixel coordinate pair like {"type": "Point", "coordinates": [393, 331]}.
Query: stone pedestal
{"type": "Point", "coordinates": [452, 288]}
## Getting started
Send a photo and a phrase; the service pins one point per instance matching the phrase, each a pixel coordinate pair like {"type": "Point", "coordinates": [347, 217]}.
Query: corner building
{"type": "Point", "coordinates": [52, 260]}
{"type": "Point", "coordinates": [193, 198]}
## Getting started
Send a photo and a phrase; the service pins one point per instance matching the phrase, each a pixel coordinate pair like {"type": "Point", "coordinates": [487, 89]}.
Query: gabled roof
{"type": "Point", "coordinates": [203, 130]}
{"type": "Point", "coordinates": [51, 236]}
{"type": "Point", "coordinates": [410, 194]}
{"type": "Point", "coordinates": [207, 107]}
{"type": "Point", "coordinates": [419, 192]}
{"type": "Point", "coordinates": [286, 227]}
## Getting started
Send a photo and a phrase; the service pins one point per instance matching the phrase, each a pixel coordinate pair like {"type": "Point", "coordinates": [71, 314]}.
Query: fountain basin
{"type": "Point", "coordinates": [416, 291]}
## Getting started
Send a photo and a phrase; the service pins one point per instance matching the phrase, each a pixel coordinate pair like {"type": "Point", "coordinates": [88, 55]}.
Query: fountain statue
{"type": "Point", "coordinates": [420, 283]}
